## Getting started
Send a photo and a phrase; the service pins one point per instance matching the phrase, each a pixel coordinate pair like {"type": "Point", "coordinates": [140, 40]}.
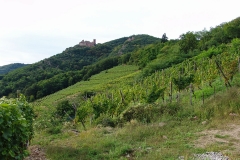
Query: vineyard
{"type": "Point", "coordinates": [144, 98]}
{"type": "Point", "coordinates": [96, 83]}
{"type": "Point", "coordinates": [183, 83]}
{"type": "Point", "coordinates": [117, 96]}
{"type": "Point", "coordinates": [185, 94]}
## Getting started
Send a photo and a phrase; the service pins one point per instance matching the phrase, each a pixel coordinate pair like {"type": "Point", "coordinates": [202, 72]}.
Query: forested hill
{"type": "Point", "coordinates": [62, 70]}
{"type": "Point", "coordinates": [149, 53]}
{"type": "Point", "coordinates": [7, 68]}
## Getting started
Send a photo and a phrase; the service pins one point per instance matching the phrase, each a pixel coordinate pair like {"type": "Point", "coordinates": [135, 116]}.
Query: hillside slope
{"type": "Point", "coordinates": [160, 112]}
{"type": "Point", "coordinates": [68, 67]}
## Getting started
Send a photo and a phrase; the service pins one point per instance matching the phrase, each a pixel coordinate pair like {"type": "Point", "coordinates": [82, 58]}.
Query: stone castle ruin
{"type": "Point", "coordinates": [88, 43]}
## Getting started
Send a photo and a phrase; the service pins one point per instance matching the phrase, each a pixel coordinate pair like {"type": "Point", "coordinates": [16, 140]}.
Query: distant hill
{"type": "Point", "coordinates": [67, 68]}
{"type": "Point", "coordinates": [7, 68]}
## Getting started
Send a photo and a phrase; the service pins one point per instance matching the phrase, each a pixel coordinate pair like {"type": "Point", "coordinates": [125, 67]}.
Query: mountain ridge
{"type": "Point", "coordinates": [9, 67]}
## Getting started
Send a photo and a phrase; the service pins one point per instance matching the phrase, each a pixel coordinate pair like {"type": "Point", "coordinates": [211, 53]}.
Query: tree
{"type": "Point", "coordinates": [164, 38]}
{"type": "Point", "coordinates": [65, 110]}
{"type": "Point", "coordinates": [188, 42]}
{"type": "Point", "coordinates": [82, 114]}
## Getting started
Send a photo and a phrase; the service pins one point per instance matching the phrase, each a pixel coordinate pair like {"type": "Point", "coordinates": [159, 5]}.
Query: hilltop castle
{"type": "Point", "coordinates": [87, 43]}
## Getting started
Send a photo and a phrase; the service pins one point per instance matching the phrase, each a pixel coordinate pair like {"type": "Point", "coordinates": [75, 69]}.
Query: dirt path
{"type": "Point", "coordinates": [36, 153]}
{"type": "Point", "coordinates": [228, 137]}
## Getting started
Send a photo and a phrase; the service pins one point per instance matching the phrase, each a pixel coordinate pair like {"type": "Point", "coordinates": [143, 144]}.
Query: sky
{"type": "Point", "coordinates": [32, 30]}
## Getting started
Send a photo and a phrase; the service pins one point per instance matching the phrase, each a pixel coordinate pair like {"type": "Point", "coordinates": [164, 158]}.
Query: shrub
{"type": "Point", "coordinates": [16, 126]}
{"type": "Point", "coordinates": [141, 113]}
{"type": "Point", "coordinates": [65, 110]}
{"type": "Point", "coordinates": [106, 120]}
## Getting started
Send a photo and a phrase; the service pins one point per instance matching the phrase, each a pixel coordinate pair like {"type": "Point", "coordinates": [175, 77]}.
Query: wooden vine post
{"type": "Point", "coordinates": [203, 97]}
{"type": "Point", "coordinates": [170, 94]}
{"type": "Point", "coordinates": [238, 64]}
{"type": "Point", "coordinates": [221, 71]}
{"type": "Point", "coordinates": [122, 96]}
{"type": "Point", "coordinates": [191, 93]}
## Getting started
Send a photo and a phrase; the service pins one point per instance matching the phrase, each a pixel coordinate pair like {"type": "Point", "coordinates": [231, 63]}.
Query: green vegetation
{"type": "Point", "coordinates": [7, 68]}
{"type": "Point", "coordinates": [16, 126]}
{"type": "Point", "coordinates": [97, 83]}
{"type": "Point", "coordinates": [71, 66]}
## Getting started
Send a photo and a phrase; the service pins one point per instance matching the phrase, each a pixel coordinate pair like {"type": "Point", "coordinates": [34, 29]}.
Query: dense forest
{"type": "Point", "coordinates": [7, 68]}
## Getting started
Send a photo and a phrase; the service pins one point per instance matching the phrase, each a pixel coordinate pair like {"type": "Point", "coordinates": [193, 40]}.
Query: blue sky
{"type": "Point", "coordinates": [31, 30]}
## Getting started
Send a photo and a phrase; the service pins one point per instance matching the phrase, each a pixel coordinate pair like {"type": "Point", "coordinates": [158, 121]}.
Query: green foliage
{"type": "Point", "coordinates": [188, 42]}
{"type": "Point", "coordinates": [16, 126]}
{"type": "Point", "coordinates": [235, 45]}
{"type": "Point", "coordinates": [171, 56]}
{"type": "Point", "coordinates": [65, 110]}
{"type": "Point", "coordinates": [140, 112]}
{"type": "Point", "coordinates": [154, 94]}
{"type": "Point", "coordinates": [54, 129]}
{"type": "Point", "coordinates": [133, 43]}
{"type": "Point", "coordinates": [106, 121]}
{"type": "Point", "coordinates": [82, 114]}
{"type": "Point", "coordinates": [164, 38]}
{"type": "Point", "coordinates": [172, 109]}
{"type": "Point", "coordinates": [213, 51]}
{"type": "Point", "coordinates": [143, 56]}
{"type": "Point", "coordinates": [221, 34]}
{"type": "Point", "coordinates": [7, 68]}
{"type": "Point", "coordinates": [183, 81]}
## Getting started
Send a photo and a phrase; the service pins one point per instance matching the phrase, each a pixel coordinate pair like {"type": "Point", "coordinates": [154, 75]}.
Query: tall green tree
{"type": "Point", "coordinates": [188, 42]}
{"type": "Point", "coordinates": [164, 38]}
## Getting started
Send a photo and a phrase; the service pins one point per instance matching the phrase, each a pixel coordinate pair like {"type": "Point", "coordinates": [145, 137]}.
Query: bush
{"type": "Point", "coordinates": [141, 113]}
{"type": "Point", "coordinates": [105, 120]}
{"type": "Point", "coordinates": [65, 110]}
{"type": "Point", "coordinates": [16, 126]}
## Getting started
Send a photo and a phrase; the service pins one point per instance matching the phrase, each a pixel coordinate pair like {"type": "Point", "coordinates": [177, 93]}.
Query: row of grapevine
{"type": "Point", "coordinates": [16, 127]}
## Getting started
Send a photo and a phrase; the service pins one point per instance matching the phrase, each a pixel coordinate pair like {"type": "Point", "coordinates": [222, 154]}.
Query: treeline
{"type": "Point", "coordinates": [134, 42]}
{"type": "Point", "coordinates": [72, 59]}
{"type": "Point", "coordinates": [63, 80]}
{"type": "Point", "coordinates": [7, 68]}
{"type": "Point", "coordinates": [168, 53]}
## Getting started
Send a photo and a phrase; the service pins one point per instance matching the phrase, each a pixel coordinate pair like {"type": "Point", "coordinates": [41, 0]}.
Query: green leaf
{"type": "Point", "coordinates": [12, 154]}
{"type": "Point", "coordinates": [7, 133]}
{"type": "Point", "coordinates": [1, 121]}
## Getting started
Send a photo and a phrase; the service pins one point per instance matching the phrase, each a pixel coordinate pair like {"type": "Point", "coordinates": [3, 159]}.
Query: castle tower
{"type": "Point", "coordinates": [94, 41]}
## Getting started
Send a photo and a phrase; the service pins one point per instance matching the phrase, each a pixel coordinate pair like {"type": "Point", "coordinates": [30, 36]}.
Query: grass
{"type": "Point", "coordinates": [144, 141]}
{"type": "Point", "coordinates": [221, 136]}
{"type": "Point", "coordinates": [137, 140]}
